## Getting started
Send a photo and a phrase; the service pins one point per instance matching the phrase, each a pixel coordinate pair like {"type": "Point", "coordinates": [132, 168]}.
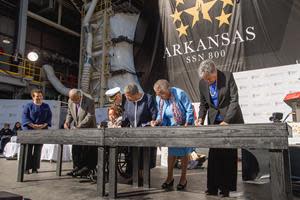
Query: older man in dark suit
{"type": "Point", "coordinates": [219, 98]}
{"type": "Point", "coordinates": [81, 111]}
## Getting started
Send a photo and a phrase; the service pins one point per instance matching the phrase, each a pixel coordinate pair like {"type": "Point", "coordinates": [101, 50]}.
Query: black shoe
{"type": "Point", "coordinates": [181, 187]}
{"type": "Point", "coordinates": [168, 186]}
{"type": "Point", "coordinates": [224, 193]}
{"type": "Point", "coordinates": [71, 173]}
{"type": "Point", "coordinates": [82, 172]}
{"type": "Point", "coordinates": [211, 192]}
{"type": "Point", "coordinates": [27, 171]}
{"type": "Point", "coordinates": [35, 171]}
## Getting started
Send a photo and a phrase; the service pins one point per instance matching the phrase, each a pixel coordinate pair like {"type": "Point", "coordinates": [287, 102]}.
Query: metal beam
{"type": "Point", "coordinates": [59, 13]}
{"type": "Point", "coordinates": [12, 81]}
{"type": "Point", "coordinates": [52, 24]}
{"type": "Point", "coordinates": [22, 25]}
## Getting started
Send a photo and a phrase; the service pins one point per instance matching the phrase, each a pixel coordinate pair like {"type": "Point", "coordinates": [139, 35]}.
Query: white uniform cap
{"type": "Point", "coordinates": [112, 92]}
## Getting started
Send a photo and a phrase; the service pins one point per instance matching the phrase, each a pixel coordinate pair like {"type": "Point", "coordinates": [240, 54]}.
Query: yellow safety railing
{"type": "Point", "coordinates": [20, 68]}
{"type": "Point", "coordinates": [30, 71]}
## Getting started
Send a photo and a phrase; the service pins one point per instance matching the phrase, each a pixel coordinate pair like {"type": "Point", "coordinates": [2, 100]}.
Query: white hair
{"type": "Point", "coordinates": [206, 67]}
{"type": "Point", "coordinates": [161, 84]}
{"type": "Point", "coordinates": [75, 92]}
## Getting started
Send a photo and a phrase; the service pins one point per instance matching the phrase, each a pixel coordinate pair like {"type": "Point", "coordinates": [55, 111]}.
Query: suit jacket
{"type": "Point", "coordinates": [228, 106]}
{"type": "Point", "coordinates": [85, 116]}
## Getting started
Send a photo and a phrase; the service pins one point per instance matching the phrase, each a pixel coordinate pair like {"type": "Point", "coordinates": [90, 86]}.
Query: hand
{"type": "Point", "coordinates": [38, 126]}
{"type": "Point", "coordinates": [66, 125]}
{"type": "Point", "coordinates": [35, 126]}
{"type": "Point", "coordinates": [199, 122]}
{"type": "Point", "coordinates": [223, 123]}
{"type": "Point", "coordinates": [154, 123]}
{"type": "Point", "coordinates": [42, 126]}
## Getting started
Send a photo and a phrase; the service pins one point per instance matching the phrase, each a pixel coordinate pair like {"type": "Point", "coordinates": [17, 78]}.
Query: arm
{"type": "Point", "coordinates": [69, 117]}
{"type": "Point", "coordinates": [125, 120]}
{"type": "Point", "coordinates": [202, 108]}
{"type": "Point", "coordinates": [26, 120]}
{"type": "Point", "coordinates": [119, 122]}
{"type": "Point", "coordinates": [186, 102]}
{"type": "Point", "coordinates": [89, 116]}
{"type": "Point", "coordinates": [49, 118]}
{"type": "Point", "coordinates": [234, 100]}
{"type": "Point", "coordinates": [152, 107]}
{"type": "Point", "coordinates": [158, 120]}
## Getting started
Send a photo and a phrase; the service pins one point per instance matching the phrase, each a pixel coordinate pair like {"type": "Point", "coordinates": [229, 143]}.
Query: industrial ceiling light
{"type": "Point", "coordinates": [6, 41]}
{"type": "Point", "coordinates": [33, 56]}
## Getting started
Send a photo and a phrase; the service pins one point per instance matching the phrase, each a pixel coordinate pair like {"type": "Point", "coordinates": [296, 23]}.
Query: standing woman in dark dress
{"type": "Point", "coordinates": [219, 99]}
{"type": "Point", "coordinates": [139, 111]}
{"type": "Point", "coordinates": [36, 116]}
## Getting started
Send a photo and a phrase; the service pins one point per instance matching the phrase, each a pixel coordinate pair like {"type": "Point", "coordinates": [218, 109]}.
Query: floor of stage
{"type": "Point", "coordinates": [47, 186]}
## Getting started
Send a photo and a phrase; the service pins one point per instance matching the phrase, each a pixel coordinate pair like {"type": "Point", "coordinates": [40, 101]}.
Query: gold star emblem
{"type": "Point", "coordinates": [176, 15]}
{"type": "Point", "coordinates": [182, 30]}
{"type": "Point", "coordinates": [194, 11]}
{"type": "Point", "coordinates": [223, 18]}
{"type": "Point", "coordinates": [178, 2]}
{"type": "Point", "coordinates": [227, 2]}
{"type": "Point", "coordinates": [202, 7]}
{"type": "Point", "coordinates": [205, 9]}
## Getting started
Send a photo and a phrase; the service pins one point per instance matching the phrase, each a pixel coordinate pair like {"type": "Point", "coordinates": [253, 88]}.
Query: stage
{"type": "Point", "coordinates": [47, 186]}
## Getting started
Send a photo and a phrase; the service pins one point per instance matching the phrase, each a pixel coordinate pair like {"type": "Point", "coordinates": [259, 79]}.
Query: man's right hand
{"type": "Point", "coordinates": [66, 125]}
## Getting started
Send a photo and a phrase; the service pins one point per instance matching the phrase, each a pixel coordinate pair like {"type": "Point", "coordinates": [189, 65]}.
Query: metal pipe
{"type": "Point", "coordinates": [97, 53]}
{"type": "Point", "coordinates": [80, 55]}
{"type": "Point", "coordinates": [104, 67]}
{"type": "Point", "coordinates": [51, 23]}
{"type": "Point", "coordinates": [86, 71]}
{"type": "Point", "coordinates": [22, 26]}
{"type": "Point", "coordinates": [89, 13]}
{"type": "Point", "coordinates": [55, 81]}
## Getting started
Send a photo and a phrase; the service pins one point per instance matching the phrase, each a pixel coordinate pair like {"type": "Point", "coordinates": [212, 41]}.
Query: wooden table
{"type": "Point", "coordinates": [90, 137]}
{"type": "Point", "coordinates": [273, 137]}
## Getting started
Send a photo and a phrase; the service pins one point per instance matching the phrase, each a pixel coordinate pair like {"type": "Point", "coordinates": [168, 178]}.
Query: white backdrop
{"type": "Point", "coordinates": [11, 111]}
{"type": "Point", "coordinates": [261, 92]}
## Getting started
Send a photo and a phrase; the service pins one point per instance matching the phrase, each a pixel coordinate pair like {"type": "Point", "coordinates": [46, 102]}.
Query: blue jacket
{"type": "Point", "coordinates": [184, 104]}
{"type": "Point", "coordinates": [141, 112]}
{"type": "Point", "coordinates": [36, 114]}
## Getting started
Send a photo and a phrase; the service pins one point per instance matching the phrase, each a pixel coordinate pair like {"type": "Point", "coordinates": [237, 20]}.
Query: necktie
{"type": "Point", "coordinates": [77, 108]}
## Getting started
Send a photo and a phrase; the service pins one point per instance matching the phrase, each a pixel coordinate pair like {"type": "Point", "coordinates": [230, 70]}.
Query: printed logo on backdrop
{"type": "Point", "coordinates": [215, 13]}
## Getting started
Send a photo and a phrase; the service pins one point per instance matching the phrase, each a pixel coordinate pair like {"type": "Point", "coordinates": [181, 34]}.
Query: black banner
{"type": "Point", "coordinates": [179, 34]}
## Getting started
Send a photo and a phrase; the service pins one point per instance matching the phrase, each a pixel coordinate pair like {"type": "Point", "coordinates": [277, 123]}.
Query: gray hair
{"type": "Point", "coordinates": [132, 89]}
{"type": "Point", "coordinates": [75, 92]}
{"type": "Point", "coordinates": [161, 84]}
{"type": "Point", "coordinates": [206, 67]}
